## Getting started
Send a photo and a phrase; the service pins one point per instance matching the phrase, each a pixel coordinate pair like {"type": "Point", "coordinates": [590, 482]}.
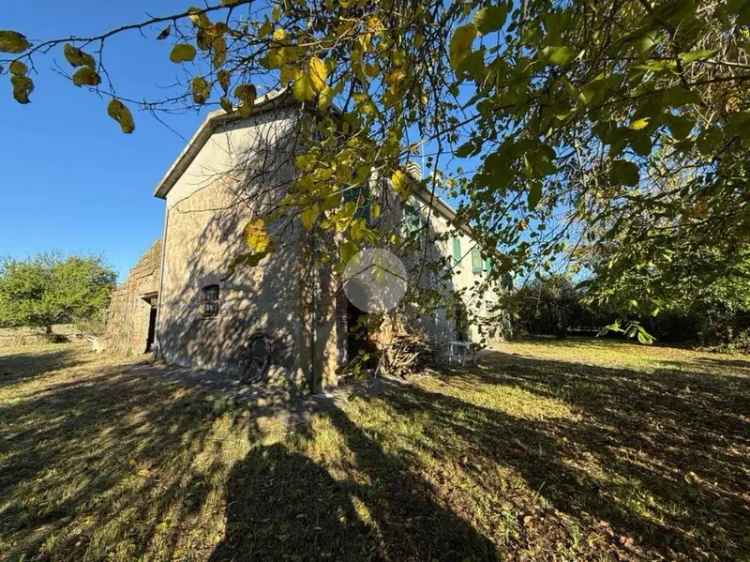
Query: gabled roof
{"type": "Point", "coordinates": [273, 100]}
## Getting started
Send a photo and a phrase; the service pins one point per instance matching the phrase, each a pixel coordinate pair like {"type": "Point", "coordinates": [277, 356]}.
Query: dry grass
{"type": "Point", "coordinates": [548, 450]}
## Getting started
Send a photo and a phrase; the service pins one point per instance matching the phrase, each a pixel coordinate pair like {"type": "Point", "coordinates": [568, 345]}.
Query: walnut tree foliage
{"type": "Point", "coordinates": [558, 125]}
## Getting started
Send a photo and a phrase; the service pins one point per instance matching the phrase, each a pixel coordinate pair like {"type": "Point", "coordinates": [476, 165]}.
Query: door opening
{"type": "Point", "coordinates": [358, 343]}
{"type": "Point", "coordinates": [151, 328]}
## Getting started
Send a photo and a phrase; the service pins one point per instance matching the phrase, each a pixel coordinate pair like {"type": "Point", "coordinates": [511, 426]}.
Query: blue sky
{"type": "Point", "coordinates": [70, 180]}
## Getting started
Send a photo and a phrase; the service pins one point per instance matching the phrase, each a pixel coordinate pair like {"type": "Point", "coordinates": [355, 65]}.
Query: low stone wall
{"type": "Point", "coordinates": [27, 335]}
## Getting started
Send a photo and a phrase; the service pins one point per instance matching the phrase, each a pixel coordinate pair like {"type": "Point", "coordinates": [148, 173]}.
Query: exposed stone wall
{"type": "Point", "coordinates": [128, 315]}
{"type": "Point", "coordinates": [242, 170]}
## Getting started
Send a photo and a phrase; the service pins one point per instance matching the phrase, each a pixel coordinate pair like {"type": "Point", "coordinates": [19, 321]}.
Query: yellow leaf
{"type": "Point", "coordinates": [199, 18]}
{"type": "Point", "coordinates": [289, 73]}
{"type": "Point", "coordinates": [17, 68]}
{"type": "Point", "coordinates": [122, 115]}
{"type": "Point", "coordinates": [13, 42]}
{"type": "Point", "coordinates": [639, 124]}
{"type": "Point", "coordinates": [201, 90]}
{"type": "Point", "coordinates": [279, 35]}
{"type": "Point", "coordinates": [400, 183]}
{"type": "Point", "coordinates": [256, 236]}
{"type": "Point", "coordinates": [226, 104]}
{"type": "Point", "coordinates": [76, 57]}
{"type": "Point", "coordinates": [246, 93]}
{"type": "Point", "coordinates": [86, 76]}
{"type": "Point", "coordinates": [22, 87]}
{"type": "Point", "coordinates": [460, 45]}
{"type": "Point", "coordinates": [219, 51]}
{"type": "Point", "coordinates": [325, 99]}
{"type": "Point", "coordinates": [303, 89]}
{"type": "Point", "coordinates": [374, 24]}
{"type": "Point", "coordinates": [224, 78]}
{"type": "Point", "coordinates": [182, 52]}
{"type": "Point", "coordinates": [265, 29]}
{"type": "Point", "coordinates": [318, 73]}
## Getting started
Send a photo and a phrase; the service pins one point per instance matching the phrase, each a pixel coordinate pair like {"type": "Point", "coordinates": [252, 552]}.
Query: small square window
{"type": "Point", "coordinates": [210, 300]}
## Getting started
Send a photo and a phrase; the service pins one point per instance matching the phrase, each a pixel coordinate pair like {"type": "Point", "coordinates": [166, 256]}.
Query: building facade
{"type": "Point", "coordinates": [206, 311]}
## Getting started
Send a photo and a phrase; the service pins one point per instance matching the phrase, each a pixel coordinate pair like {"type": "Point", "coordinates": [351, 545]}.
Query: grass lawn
{"type": "Point", "coordinates": [582, 449]}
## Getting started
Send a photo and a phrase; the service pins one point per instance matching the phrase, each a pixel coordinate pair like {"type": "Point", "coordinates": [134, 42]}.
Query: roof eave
{"type": "Point", "coordinates": [272, 100]}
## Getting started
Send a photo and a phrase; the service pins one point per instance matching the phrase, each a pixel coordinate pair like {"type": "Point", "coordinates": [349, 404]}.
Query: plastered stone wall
{"type": "Point", "coordinates": [128, 315]}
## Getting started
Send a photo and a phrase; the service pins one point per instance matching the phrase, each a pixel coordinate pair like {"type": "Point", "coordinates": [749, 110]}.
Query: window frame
{"type": "Point", "coordinates": [210, 300]}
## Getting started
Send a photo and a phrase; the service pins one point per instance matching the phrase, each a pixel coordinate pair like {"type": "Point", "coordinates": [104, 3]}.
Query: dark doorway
{"type": "Point", "coordinates": [151, 328]}
{"type": "Point", "coordinates": [357, 335]}
{"type": "Point", "coordinates": [461, 319]}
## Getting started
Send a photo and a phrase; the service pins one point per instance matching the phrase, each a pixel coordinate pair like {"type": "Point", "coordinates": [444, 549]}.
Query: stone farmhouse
{"type": "Point", "coordinates": [187, 301]}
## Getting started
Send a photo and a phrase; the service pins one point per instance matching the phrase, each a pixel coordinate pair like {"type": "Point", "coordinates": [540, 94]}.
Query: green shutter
{"type": "Point", "coordinates": [411, 219]}
{"type": "Point", "coordinates": [476, 261]}
{"type": "Point", "coordinates": [487, 264]}
{"type": "Point", "coordinates": [456, 250]}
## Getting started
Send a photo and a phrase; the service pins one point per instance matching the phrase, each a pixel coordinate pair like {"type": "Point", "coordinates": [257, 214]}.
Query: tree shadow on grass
{"type": "Point", "coordinates": [661, 457]}
{"type": "Point", "coordinates": [103, 465]}
{"type": "Point", "coordinates": [20, 367]}
{"type": "Point", "coordinates": [283, 506]}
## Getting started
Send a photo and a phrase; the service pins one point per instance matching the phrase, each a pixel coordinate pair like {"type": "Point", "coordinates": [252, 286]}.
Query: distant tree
{"type": "Point", "coordinates": [48, 289]}
{"type": "Point", "coordinates": [547, 305]}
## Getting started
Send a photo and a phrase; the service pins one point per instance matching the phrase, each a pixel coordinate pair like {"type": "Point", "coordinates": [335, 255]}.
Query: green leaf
{"type": "Point", "coordinates": [646, 42]}
{"type": "Point", "coordinates": [22, 87]}
{"type": "Point", "coordinates": [624, 172]}
{"type": "Point", "coordinates": [680, 126]}
{"type": "Point", "coordinates": [17, 68]}
{"type": "Point", "coordinates": [86, 76]}
{"type": "Point", "coordinates": [534, 195]}
{"type": "Point", "coordinates": [695, 56]}
{"type": "Point", "coordinates": [490, 18]}
{"type": "Point", "coordinates": [13, 42]}
{"type": "Point", "coordinates": [76, 57]}
{"type": "Point", "coordinates": [201, 90]}
{"type": "Point", "coordinates": [678, 96]}
{"type": "Point", "coordinates": [182, 52]}
{"type": "Point", "coordinates": [309, 216]}
{"type": "Point", "coordinates": [657, 66]}
{"type": "Point", "coordinates": [460, 45]}
{"type": "Point", "coordinates": [464, 150]}
{"type": "Point", "coordinates": [120, 113]}
{"type": "Point", "coordinates": [558, 55]}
